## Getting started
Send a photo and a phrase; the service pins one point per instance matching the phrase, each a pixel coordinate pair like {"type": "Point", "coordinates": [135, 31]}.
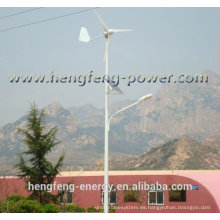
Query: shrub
{"type": "Point", "coordinates": [131, 195]}
{"type": "Point", "coordinates": [22, 206]}
{"type": "Point", "coordinates": [51, 208]}
{"type": "Point", "coordinates": [110, 210]}
{"type": "Point", "coordinates": [15, 198]}
{"type": "Point", "coordinates": [29, 206]}
{"type": "Point", "coordinates": [1, 205]}
{"type": "Point", "coordinates": [92, 209]}
{"type": "Point", "coordinates": [73, 208]}
{"type": "Point", "coordinates": [8, 206]}
{"type": "Point", "coordinates": [47, 197]}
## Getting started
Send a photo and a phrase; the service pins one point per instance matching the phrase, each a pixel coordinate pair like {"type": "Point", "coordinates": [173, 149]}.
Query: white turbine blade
{"type": "Point", "coordinates": [106, 49]}
{"type": "Point", "coordinates": [100, 19]}
{"type": "Point", "coordinates": [102, 35]}
{"type": "Point", "coordinates": [84, 35]}
{"type": "Point", "coordinates": [120, 30]}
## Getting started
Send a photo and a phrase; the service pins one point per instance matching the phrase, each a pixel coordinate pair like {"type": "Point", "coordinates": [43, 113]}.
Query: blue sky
{"type": "Point", "coordinates": [164, 40]}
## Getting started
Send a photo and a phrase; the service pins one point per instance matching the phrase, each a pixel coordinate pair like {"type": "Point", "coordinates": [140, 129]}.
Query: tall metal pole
{"type": "Point", "coordinates": [106, 130]}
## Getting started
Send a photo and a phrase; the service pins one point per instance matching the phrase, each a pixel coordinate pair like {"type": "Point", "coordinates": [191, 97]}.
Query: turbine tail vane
{"type": "Point", "coordinates": [84, 35]}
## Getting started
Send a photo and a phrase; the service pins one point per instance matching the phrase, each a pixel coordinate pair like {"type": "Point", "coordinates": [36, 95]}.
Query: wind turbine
{"type": "Point", "coordinates": [84, 37]}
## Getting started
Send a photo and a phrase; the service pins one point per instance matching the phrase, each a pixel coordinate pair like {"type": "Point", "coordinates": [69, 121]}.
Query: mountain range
{"type": "Point", "coordinates": [175, 111]}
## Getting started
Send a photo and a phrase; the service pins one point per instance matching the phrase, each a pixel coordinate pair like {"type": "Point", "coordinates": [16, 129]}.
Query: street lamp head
{"type": "Point", "coordinates": [143, 98]}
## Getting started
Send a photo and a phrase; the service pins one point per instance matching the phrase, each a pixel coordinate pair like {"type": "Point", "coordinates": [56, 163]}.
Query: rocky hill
{"type": "Point", "coordinates": [180, 154]}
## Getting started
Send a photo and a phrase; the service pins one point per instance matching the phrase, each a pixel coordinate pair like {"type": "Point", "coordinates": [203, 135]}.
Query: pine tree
{"type": "Point", "coordinates": [33, 165]}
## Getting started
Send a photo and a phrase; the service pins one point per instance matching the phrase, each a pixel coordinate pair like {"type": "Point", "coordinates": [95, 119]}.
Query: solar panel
{"type": "Point", "coordinates": [113, 89]}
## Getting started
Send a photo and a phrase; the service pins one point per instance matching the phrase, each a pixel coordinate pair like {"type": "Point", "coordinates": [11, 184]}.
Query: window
{"type": "Point", "coordinates": [155, 197]}
{"type": "Point", "coordinates": [131, 195]}
{"type": "Point", "coordinates": [112, 196]}
{"type": "Point", "coordinates": [177, 195]}
{"type": "Point", "coordinates": [65, 197]}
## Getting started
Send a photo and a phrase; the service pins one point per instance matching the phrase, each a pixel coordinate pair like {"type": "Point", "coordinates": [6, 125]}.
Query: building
{"type": "Point", "coordinates": [85, 190]}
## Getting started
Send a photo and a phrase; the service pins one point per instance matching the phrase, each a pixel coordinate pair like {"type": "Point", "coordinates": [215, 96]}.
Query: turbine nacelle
{"type": "Point", "coordinates": [84, 35]}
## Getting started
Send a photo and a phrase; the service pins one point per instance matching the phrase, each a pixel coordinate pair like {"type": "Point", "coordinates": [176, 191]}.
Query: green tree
{"type": "Point", "coordinates": [33, 165]}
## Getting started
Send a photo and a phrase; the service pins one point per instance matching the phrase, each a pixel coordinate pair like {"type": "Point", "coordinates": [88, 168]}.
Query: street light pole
{"type": "Point", "coordinates": [84, 37]}
{"type": "Point", "coordinates": [106, 129]}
